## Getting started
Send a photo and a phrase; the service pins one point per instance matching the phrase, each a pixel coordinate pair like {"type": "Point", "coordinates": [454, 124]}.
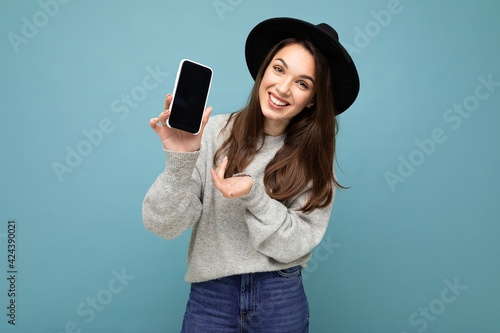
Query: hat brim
{"type": "Point", "coordinates": [267, 34]}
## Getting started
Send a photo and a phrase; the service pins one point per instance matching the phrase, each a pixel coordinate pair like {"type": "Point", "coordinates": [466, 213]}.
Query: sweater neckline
{"type": "Point", "coordinates": [275, 139]}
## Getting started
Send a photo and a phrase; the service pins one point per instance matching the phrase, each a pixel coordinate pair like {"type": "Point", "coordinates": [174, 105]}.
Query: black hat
{"type": "Point", "coordinates": [267, 34]}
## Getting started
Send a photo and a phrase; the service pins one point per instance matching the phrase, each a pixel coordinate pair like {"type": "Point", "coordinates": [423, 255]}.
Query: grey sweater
{"type": "Point", "coordinates": [254, 233]}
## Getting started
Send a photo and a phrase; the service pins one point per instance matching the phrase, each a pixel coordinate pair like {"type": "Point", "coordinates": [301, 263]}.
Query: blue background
{"type": "Point", "coordinates": [418, 218]}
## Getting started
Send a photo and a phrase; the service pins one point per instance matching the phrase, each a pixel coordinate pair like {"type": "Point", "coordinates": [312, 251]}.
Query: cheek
{"type": "Point", "coordinates": [305, 98]}
{"type": "Point", "coordinates": [262, 90]}
{"type": "Point", "coordinates": [265, 79]}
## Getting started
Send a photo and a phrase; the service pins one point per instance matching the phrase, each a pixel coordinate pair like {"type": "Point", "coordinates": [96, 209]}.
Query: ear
{"type": "Point", "coordinates": [311, 103]}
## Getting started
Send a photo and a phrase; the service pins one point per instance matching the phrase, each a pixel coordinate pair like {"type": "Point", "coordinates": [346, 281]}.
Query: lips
{"type": "Point", "coordinates": [277, 101]}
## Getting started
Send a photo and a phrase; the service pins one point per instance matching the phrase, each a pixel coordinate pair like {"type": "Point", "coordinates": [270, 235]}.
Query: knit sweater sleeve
{"type": "Point", "coordinates": [280, 231]}
{"type": "Point", "coordinates": [172, 204]}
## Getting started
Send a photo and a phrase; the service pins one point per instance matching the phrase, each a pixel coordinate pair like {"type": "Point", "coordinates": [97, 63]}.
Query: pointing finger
{"type": "Point", "coordinates": [221, 169]}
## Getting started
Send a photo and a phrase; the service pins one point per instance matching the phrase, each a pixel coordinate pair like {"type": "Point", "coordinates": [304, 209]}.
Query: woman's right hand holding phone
{"type": "Point", "coordinates": [174, 139]}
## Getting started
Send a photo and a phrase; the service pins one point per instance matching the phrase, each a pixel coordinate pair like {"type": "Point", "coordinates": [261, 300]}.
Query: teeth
{"type": "Point", "coordinates": [277, 102]}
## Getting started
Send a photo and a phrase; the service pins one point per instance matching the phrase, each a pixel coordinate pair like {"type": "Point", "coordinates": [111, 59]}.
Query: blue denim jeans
{"type": "Point", "coordinates": [269, 302]}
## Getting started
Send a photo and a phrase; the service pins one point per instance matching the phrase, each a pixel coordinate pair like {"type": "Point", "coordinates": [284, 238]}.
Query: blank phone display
{"type": "Point", "coordinates": [190, 96]}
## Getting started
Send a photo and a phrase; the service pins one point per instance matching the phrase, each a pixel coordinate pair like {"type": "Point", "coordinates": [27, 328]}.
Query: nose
{"type": "Point", "coordinates": [283, 86]}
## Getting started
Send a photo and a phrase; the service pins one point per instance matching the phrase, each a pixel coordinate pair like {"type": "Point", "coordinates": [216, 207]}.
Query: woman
{"type": "Point", "coordinates": [257, 186]}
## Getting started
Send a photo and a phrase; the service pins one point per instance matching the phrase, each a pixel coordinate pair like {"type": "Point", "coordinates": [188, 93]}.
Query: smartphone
{"type": "Point", "coordinates": [192, 86]}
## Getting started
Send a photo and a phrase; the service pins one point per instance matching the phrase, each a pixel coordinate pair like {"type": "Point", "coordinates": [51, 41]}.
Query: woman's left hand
{"type": "Point", "coordinates": [233, 187]}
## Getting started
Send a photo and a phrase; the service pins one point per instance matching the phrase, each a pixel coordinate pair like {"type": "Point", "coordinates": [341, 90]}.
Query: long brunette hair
{"type": "Point", "coordinates": [307, 155]}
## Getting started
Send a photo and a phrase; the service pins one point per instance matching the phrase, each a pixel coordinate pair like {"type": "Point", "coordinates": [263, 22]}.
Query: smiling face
{"type": "Point", "coordinates": [287, 87]}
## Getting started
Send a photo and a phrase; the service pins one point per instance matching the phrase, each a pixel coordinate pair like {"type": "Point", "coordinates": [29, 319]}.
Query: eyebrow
{"type": "Point", "coordinates": [301, 76]}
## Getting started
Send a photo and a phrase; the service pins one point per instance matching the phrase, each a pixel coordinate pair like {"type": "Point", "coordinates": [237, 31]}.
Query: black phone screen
{"type": "Point", "coordinates": [190, 96]}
